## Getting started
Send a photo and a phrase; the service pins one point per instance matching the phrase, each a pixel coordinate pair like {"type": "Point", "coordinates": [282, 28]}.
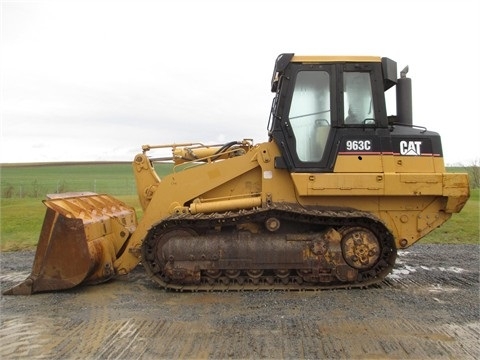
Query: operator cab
{"type": "Point", "coordinates": [320, 99]}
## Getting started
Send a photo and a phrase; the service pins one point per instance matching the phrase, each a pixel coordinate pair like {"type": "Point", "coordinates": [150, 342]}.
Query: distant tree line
{"type": "Point", "coordinates": [473, 171]}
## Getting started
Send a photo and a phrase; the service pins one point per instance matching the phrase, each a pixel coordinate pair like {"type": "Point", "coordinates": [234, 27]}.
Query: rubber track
{"type": "Point", "coordinates": [326, 217]}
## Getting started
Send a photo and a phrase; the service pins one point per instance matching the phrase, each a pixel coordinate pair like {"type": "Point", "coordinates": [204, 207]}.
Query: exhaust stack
{"type": "Point", "coordinates": [404, 99]}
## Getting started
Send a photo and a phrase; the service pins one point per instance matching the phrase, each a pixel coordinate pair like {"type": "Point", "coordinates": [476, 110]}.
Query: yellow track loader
{"type": "Point", "coordinates": [326, 202]}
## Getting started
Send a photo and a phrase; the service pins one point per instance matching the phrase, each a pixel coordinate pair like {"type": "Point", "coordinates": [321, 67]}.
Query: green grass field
{"type": "Point", "coordinates": [23, 188]}
{"type": "Point", "coordinates": [38, 180]}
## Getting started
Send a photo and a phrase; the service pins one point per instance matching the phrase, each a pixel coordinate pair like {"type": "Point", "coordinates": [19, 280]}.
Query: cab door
{"type": "Point", "coordinates": [308, 112]}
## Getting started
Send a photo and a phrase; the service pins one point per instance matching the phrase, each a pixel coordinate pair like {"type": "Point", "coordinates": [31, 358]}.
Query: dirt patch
{"type": "Point", "coordinates": [427, 308]}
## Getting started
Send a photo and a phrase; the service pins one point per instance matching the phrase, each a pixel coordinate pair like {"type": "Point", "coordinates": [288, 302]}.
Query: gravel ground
{"type": "Point", "coordinates": [427, 308]}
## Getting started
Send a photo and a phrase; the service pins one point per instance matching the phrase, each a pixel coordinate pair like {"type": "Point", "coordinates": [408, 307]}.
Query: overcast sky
{"type": "Point", "coordinates": [94, 80]}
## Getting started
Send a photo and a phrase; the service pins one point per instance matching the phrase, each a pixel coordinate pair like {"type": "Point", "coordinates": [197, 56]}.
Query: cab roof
{"type": "Point", "coordinates": [334, 58]}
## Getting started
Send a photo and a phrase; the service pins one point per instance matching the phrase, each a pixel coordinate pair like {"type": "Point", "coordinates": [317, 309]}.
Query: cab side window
{"type": "Point", "coordinates": [310, 114]}
{"type": "Point", "coordinates": [357, 98]}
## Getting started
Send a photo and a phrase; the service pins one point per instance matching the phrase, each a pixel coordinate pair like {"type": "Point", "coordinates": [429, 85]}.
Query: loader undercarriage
{"type": "Point", "coordinates": [283, 247]}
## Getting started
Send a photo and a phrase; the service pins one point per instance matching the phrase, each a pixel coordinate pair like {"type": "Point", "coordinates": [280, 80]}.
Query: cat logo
{"type": "Point", "coordinates": [410, 147]}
